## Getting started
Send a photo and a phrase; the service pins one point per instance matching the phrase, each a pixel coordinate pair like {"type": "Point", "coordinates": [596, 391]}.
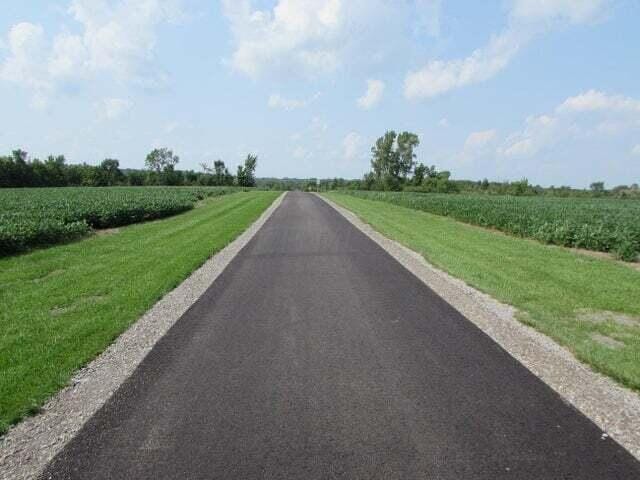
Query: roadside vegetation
{"type": "Point", "coordinates": [63, 305]}
{"type": "Point", "coordinates": [603, 225]}
{"type": "Point", "coordinates": [34, 217]}
{"type": "Point", "coordinates": [589, 305]}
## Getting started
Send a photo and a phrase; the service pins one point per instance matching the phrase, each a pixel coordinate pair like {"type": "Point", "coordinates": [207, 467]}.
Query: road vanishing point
{"type": "Point", "coordinates": [315, 355]}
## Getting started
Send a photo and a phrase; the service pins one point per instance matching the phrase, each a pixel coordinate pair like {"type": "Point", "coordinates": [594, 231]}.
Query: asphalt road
{"type": "Point", "coordinates": [315, 355]}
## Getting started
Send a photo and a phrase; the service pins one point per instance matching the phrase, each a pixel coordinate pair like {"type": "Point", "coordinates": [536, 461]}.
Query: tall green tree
{"type": "Point", "coordinates": [406, 144]}
{"type": "Point", "coordinates": [384, 158]}
{"type": "Point", "coordinates": [161, 160]}
{"type": "Point", "coordinates": [393, 160]}
{"type": "Point", "coordinates": [109, 172]}
{"type": "Point", "coordinates": [246, 173]}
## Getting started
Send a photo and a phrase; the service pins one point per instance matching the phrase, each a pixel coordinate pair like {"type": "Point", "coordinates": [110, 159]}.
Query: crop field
{"type": "Point", "coordinates": [33, 217]}
{"type": "Point", "coordinates": [605, 225]}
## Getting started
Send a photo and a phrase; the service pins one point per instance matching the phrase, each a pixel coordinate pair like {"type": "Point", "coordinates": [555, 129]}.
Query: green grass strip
{"type": "Point", "coordinates": [64, 305]}
{"type": "Point", "coordinates": [563, 294]}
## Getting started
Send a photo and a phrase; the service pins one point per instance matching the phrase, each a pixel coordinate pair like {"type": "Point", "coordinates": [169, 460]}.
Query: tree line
{"type": "Point", "coordinates": [18, 170]}
{"type": "Point", "coordinates": [394, 167]}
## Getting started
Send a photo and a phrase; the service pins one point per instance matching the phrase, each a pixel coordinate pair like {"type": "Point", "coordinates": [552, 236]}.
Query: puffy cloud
{"type": "Point", "coordinates": [527, 19]}
{"type": "Point", "coordinates": [538, 132]}
{"type": "Point", "coordinates": [315, 37]}
{"type": "Point", "coordinates": [303, 31]}
{"type": "Point", "coordinates": [568, 121]}
{"type": "Point", "coordinates": [444, 122]}
{"type": "Point", "coordinates": [636, 150]}
{"type": "Point", "coordinates": [439, 77]}
{"type": "Point", "coordinates": [352, 146]}
{"type": "Point", "coordinates": [278, 101]}
{"type": "Point", "coordinates": [25, 61]}
{"type": "Point", "coordinates": [373, 95]}
{"type": "Point", "coordinates": [594, 100]}
{"type": "Point", "coordinates": [117, 38]}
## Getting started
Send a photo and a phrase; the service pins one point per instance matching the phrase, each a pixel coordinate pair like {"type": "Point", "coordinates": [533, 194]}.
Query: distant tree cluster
{"type": "Point", "coordinates": [17, 170]}
{"type": "Point", "coordinates": [394, 167]}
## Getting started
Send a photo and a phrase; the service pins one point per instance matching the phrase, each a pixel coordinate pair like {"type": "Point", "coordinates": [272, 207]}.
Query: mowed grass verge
{"type": "Point", "coordinates": [64, 305]}
{"type": "Point", "coordinates": [589, 305]}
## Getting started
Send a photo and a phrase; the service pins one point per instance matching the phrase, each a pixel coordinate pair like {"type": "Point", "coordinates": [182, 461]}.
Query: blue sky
{"type": "Point", "coordinates": [505, 89]}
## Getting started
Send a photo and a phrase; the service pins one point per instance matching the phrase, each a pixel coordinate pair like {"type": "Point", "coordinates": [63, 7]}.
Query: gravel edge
{"type": "Point", "coordinates": [28, 446]}
{"type": "Point", "coordinates": [613, 408]}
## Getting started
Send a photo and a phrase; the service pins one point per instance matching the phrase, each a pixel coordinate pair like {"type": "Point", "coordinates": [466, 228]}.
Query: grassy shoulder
{"type": "Point", "coordinates": [64, 305]}
{"type": "Point", "coordinates": [589, 305]}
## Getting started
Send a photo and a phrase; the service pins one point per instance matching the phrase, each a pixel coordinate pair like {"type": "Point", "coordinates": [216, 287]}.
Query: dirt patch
{"type": "Point", "coordinates": [606, 341]}
{"type": "Point", "coordinates": [88, 300]}
{"type": "Point", "coordinates": [107, 231]}
{"type": "Point", "coordinates": [58, 311]}
{"type": "Point", "coordinates": [606, 316]}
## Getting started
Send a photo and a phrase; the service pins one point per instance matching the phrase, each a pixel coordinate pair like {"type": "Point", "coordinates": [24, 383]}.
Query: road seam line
{"type": "Point", "coordinates": [613, 408]}
{"type": "Point", "coordinates": [27, 447]}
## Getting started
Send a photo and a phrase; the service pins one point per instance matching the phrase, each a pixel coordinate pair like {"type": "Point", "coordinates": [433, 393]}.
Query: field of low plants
{"type": "Point", "coordinates": [605, 225]}
{"type": "Point", "coordinates": [33, 217]}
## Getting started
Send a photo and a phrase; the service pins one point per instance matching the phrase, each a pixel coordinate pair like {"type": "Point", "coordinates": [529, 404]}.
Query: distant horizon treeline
{"type": "Point", "coordinates": [393, 167]}
{"type": "Point", "coordinates": [18, 171]}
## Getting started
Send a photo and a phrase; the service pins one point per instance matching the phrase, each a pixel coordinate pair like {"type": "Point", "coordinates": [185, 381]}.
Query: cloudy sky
{"type": "Point", "coordinates": [504, 89]}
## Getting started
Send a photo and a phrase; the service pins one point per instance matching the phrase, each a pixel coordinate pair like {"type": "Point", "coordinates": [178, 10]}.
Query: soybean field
{"type": "Point", "coordinates": [33, 217]}
{"type": "Point", "coordinates": [605, 225]}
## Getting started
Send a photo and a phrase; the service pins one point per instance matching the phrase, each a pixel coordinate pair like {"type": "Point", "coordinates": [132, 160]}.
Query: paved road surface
{"type": "Point", "coordinates": [316, 356]}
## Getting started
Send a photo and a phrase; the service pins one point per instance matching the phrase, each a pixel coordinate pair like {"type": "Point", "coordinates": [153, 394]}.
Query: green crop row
{"type": "Point", "coordinates": [33, 217]}
{"type": "Point", "coordinates": [606, 225]}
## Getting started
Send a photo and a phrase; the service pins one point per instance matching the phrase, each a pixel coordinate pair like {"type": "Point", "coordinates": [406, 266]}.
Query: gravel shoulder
{"type": "Point", "coordinates": [29, 446]}
{"type": "Point", "coordinates": [613, 408]}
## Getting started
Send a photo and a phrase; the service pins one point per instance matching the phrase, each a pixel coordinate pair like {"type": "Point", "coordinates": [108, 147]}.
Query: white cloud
{"type": "Point", "coordinates": [439, 77]}
{"type": "Point", "coordinates": [636, 150]}
{"type": "Point", "coordinates": [278, 101]}
{"type": "Point", "coordinates": [594, 100]}
{"type": "Point", "coordinates": [114, 108]}
{"type": "Point", "coordinates": [319, 37]}
{"type": "Point", "coordinates": [117, 39]}
{"type": "Point", "coordinates": [25, 60]}
{"type": "Point", "coordinates": [620, 114]}
{"type": "Point", "coordinates": [373, 95]}
{"type": "Point", "coordinates": [528, 18]}
{"type": "Point", "coordinates": [352, 146]}
{"type": "Point", "coordinates": [538, 132]}
{"type": "Point", "coordinates": [304, 31]}
{"type": "Point", "coordinates": [444, 122]}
